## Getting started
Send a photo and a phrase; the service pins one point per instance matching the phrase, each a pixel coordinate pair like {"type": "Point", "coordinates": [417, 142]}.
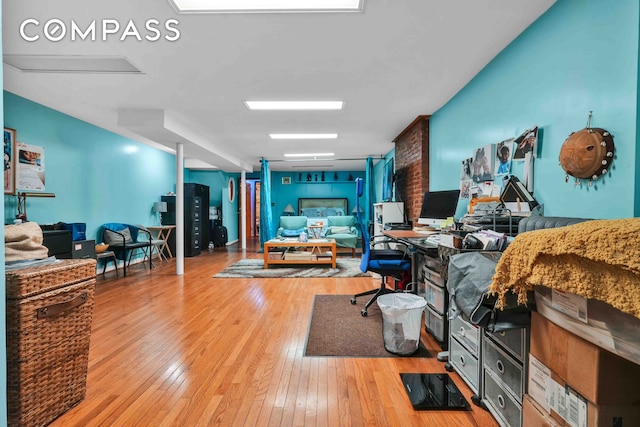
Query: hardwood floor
{"type": "Point", "coordinates": [192, 350]}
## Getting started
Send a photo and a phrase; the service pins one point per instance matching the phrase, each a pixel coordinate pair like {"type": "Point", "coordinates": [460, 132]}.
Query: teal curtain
{"type": "Point", "coordinates": [266, 216]}
{"type": "Point", "coordinates": [368, 193]}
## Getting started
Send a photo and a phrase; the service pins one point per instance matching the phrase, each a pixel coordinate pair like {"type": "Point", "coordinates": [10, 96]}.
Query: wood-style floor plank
{"type": "Point", "coordinates": [194, 350]}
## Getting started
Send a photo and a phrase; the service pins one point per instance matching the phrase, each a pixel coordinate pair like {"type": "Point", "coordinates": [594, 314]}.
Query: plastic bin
{"type": "Point", "coordinates": [401, 321]}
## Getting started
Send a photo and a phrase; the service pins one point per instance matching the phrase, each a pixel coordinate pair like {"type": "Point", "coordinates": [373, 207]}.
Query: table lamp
{"type": "Point", "coordinates": [289, 210]}
{"type": "Point", "coordinates": [159, 208]}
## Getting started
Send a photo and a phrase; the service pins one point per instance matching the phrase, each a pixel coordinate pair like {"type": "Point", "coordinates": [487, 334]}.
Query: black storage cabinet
{"type": "Point", "coordinates": [196, 214]}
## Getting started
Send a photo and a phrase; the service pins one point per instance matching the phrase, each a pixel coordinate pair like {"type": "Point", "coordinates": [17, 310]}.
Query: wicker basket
{"type": "Point", "coordinates": [48, 333]}
{"type": "Point", "coordinates": [31, 281]}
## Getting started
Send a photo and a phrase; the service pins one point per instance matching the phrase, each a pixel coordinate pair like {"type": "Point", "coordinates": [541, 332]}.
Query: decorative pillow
{"type": "Point", "coordinates": [114, 239]}
{"type": "Point", "coordinates": [340, 230]}
{"type": "Point", "coordinates": [292, 233]}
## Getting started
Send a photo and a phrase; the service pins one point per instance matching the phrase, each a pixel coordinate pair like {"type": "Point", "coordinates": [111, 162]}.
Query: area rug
{"type": "Point", "coordinates": [338, 329]}
{"type": "Point", "coordinates": [250, 268]}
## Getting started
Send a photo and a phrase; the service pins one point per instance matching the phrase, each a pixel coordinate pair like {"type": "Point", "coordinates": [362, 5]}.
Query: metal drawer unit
{"type": "Point", "coordinates": [436, 324]}
{"type": "Point", "coordinates": [465, 345]}
{"type": "Point", "coordinates": [502, 405]}
{"type": "Point", "coordinates": [504, 364]}
{"type": "Point", "coordinates": [431, 286]}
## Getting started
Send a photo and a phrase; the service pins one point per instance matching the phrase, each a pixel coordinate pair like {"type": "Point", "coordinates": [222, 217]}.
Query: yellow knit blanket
{"type": "Point", "coordinates": [597, 259]}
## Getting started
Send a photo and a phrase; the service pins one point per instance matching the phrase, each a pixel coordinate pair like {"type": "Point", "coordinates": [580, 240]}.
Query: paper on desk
{"type": "Point", "coordinates": [516, 207]}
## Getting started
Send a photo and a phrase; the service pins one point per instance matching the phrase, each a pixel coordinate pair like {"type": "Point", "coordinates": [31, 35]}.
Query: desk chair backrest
{"type": "Point", "coordinates": [366, 249]}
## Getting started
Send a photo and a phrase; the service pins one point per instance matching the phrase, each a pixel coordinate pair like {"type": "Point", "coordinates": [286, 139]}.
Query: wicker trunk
{"type": "Point", "coordinates": [49, 313]}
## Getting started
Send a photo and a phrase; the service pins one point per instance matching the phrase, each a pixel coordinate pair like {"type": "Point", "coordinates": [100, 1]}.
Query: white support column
{"type": "Point", "coordinates": [243, 209]}
{"type": "Point", "coordinates": [179, 208]}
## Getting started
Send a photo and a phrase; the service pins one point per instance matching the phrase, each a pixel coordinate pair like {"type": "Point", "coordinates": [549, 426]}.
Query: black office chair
{"type": "Point", "coordinates": [386, 262]}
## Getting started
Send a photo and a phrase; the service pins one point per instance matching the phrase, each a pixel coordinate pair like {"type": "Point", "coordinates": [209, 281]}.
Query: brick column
{"type": "Point", "coordinates": [412, 166]}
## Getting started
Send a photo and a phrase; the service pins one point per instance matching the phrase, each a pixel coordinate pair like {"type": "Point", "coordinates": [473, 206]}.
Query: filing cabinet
{"type": "Point", "coordinates": [504, 376]}
{"type": "Point", "coordinates": [196, 218]}
{"type": "Point", "coordinates": [465, 345]}
{"type": "Point", "coordinates": [192, 226]}
{"type": "Point", "coordinates": [431, 286]}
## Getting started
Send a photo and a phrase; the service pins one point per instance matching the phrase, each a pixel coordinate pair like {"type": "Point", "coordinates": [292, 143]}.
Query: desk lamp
{"type": "Point", "coordinates": [289, 210]}
{"type": "Point", "coordinates": [159, 208]}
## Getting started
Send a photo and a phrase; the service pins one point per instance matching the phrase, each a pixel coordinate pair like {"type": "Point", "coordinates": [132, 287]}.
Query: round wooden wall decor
{"type": "Point", "coordinates": [587, 154]}
{"type": "Point", "coordinates": [231, 186]}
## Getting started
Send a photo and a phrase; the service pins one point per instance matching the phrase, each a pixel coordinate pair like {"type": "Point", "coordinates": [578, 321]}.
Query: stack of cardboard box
{"type": "Point", "coordinates": [572, 382]}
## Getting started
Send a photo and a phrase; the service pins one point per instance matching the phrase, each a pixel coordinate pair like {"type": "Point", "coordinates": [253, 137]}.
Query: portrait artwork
{"type": "Point", "coordinates": [9, 161]}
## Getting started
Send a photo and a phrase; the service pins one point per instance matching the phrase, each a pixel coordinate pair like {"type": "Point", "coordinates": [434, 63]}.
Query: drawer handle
{"type": "Point", "coordinates": [501, 401]}
{"type": "Point", "coordinates": [462, 360]}
{"type": "Point", "coordinates": [59, 308]}
{"type": "Point", "coordinates": [500, 366]}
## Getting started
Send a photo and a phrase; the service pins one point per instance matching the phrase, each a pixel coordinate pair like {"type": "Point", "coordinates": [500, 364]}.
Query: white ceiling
{"type": "Point", "coordinates": [392, 62]}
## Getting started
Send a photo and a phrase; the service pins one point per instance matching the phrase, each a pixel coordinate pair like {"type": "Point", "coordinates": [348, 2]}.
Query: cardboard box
{"type": "Point", "coordinates": [534, 416]}
{"type": "Point", "coordinates": [582, 413]}
{"type": "Point", "coordinates": [599, 375]}
{"type": "Point", "coordinates": [559, 404]}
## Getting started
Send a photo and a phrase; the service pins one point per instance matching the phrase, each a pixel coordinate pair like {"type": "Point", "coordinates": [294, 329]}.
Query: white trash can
{"type": "Point", "coordinates": [401, 321]}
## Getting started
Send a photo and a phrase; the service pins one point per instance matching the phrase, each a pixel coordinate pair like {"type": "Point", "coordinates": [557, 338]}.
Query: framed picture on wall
{"type": "Point", "coordinates": [29, 167]}
{"type": "Point", "coordinates": [9, 161]}
{"type": "Point", "coordinates": [286, 180]}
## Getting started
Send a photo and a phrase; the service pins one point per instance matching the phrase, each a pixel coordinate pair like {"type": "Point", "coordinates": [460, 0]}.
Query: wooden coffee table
{"type": "Point", "coordinates": [295, 243]}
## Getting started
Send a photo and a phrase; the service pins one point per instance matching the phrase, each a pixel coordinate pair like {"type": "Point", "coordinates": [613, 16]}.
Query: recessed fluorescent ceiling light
{"type": "Point", "coordinates": [303, 135]}
{"type": "Point", "coordinates": [308, 154]}
{"type": "Point", "coordinates": [71, 64]}
{"type": "Point", "coordinates": [294, 105]}
{"type": "Point", "coordinates": [240, 6]}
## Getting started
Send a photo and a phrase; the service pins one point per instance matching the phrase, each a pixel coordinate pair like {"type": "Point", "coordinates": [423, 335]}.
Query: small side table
{"type": "Point", "coordinates": [107, 256]}
{"type": "Point", "coordinates": [316, 230]}
{"type": "Point", "coordinates": [316, 234]}
{"type": "Point", "coordinates": [163, 233]}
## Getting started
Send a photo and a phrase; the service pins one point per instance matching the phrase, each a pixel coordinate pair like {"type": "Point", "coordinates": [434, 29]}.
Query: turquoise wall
{"type": "Point", "coordinates": [580, 56]}
{"type": "Point", "coordinates": [96, 175]}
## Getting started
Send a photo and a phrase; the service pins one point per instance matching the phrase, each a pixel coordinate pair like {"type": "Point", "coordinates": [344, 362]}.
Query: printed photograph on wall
{"type": "Point", "coordinates": [30, 167]}
{"type": "Point", "coordinates": [526, 143]}
{"type": "Point", "coordinates": [465, 173]}
{"type": "Point", "coordinates": [482, 164]}
{"type": "Point", "coordinates": [9, 161]}
{"type": "Point", "coordinates": [504, 152]}
{"type": "Point", "coordinates": [465, 189]}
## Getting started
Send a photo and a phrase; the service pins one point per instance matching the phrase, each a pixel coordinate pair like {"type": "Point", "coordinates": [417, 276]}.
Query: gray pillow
{"type": "Point", "coordinates": [114, 239]}
{"type": "Point", "coordinates": [340, 230]}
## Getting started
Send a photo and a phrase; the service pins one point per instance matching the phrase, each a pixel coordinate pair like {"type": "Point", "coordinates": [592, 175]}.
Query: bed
{"type": "Point", "coordinates": [322, 208]}
{"type": "Point", "coordinates": [318, 209]}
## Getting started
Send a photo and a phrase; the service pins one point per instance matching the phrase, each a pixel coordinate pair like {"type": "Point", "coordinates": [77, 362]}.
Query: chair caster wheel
{"type": "Point", "coordinates": [353, 301]}
{"type": "Point", "coordinates": [448, 367]}
{"type": "Point", "coordinates": [364, 313]}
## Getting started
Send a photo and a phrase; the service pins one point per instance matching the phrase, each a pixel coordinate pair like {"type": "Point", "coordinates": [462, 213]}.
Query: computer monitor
{"type": "Point", "coordinates": [437, 206]}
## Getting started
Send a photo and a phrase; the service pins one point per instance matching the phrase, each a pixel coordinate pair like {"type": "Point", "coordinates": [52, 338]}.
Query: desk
{"type": "Point", "coordinates": [426, 269]}
{"type": "Point", "coordinates": [162, 232]}
{"type": "Point", "coordinates": [415, 242]}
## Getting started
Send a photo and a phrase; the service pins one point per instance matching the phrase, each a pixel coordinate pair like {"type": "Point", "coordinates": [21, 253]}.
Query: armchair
{"type": "Point", "coordinates": [123, 241]}
{"type": "Point", "coordinates": [292, 226]}
{"type": "Point", "coordinates": [342, 229]}
{"type": "Point", "coordinates": [385, 262]}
